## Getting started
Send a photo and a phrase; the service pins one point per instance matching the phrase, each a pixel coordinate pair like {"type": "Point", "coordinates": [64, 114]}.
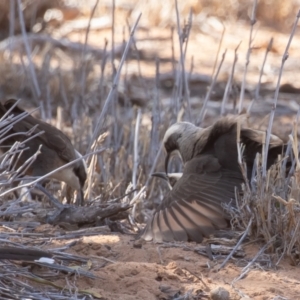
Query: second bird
{"type": "Point", "coordinates": [57, 150]}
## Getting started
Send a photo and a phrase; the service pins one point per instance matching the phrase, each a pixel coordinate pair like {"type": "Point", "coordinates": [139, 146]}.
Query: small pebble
{"type": "Point", "coordinates": [138, 244]}
{"type": "Point", "coordinates": [219, 294]}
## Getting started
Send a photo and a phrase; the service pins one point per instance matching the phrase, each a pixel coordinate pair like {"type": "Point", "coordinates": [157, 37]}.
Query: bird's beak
{"type": "Point", "coordinates": [167, 159]}
{"type": "Point", "coordinates": [163, 176]}
{"type": "Point", "coordinates": [160, 175]}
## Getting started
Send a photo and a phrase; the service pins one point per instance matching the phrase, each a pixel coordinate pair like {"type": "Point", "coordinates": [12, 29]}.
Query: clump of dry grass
{"type": "Point", "coordinates": [269, 207]}
{"type": "Point", "coordinates": [272, 205]}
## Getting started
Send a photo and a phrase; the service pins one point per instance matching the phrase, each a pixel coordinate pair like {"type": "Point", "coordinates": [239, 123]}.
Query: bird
{"type": "Point", "coordinates": [56, 151]}
{"type": "Point", "coordinates": [16, 253]}
{"type": "Point", "coordinates": [211, 177]}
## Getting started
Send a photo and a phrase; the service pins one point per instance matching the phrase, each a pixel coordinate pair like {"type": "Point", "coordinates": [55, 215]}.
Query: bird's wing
{"type": "Point", "coordinates": [193, 208]}
{"type": "Point", "coordinates": [253, 140]}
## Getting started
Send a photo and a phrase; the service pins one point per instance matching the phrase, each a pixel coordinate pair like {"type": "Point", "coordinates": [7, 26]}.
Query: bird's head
{"type": "Point", "coordinates": [180, 139]}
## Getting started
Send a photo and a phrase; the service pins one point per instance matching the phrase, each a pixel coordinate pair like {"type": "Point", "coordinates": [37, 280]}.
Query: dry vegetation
{"type": "Point", "coordinates": [114, 88]}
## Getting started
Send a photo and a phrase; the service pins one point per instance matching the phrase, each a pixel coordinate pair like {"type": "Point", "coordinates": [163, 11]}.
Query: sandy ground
{"type": "Point", "coordinates": [130, 269]}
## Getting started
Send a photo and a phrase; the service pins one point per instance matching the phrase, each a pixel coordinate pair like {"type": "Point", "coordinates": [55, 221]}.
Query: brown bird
{"type": "Point", "coordinates": [57, 150]}
{"type": "Point", "coordinates": [16, 253]}
{"type": "Point", "coordinates": [194, 208]}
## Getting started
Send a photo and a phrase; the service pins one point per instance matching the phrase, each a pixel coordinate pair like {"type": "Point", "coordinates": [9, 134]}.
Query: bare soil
{"type": "Point", "coordinates": [127, 269]}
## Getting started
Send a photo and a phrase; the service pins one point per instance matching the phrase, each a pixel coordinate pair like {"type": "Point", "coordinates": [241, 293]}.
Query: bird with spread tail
{"type": "Point", "coordinates": [56, 151]}
{"type": "Point", "coordinates": [194, 207]}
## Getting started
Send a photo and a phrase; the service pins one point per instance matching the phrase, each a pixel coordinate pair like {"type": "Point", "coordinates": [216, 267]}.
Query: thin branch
{"type": "Point", "coordinates": [183, 37]}
{"type": "Point", "coordinates": [257, 90]}
{"type": "Point", "coordinates": [236, 246]}
{"type": "Point", "coordinates": [136, 148]}
{"type": "Point", "coordinates": [28, 51]}
{"type": "Point", "coordinates": [84, 50]}
{"type": "Point", "coordinates": [207, 97]}
{"type": "Point", "coordinates": [229, 82]}
{"type": "Point", "coordinates": [114, 86]}
{"type": "Point", "coordinates": [284, 58]}
{"type": "Point", "coordinates": [252, 22]}
{"type": "Point", "coordinates": [219, 49]}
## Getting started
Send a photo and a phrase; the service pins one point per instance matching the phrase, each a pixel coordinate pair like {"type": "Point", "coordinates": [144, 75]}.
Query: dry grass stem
{"type": "Point", "coordinates": [229, 82]}
{"type": "Point", "coordinates": [284, 58]}
{"type": "Point", "coordinates": [257, 90]}
{"type": "Point", "coordinates": [252, 23]}
{"type": "Point", "coordinates": [208, 94]}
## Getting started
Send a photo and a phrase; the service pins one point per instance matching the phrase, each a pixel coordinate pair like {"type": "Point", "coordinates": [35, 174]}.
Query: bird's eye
{"type": "Point", "coordinates": [167, 147]}
{"type": "Point", "coordinates": [170, 146]}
